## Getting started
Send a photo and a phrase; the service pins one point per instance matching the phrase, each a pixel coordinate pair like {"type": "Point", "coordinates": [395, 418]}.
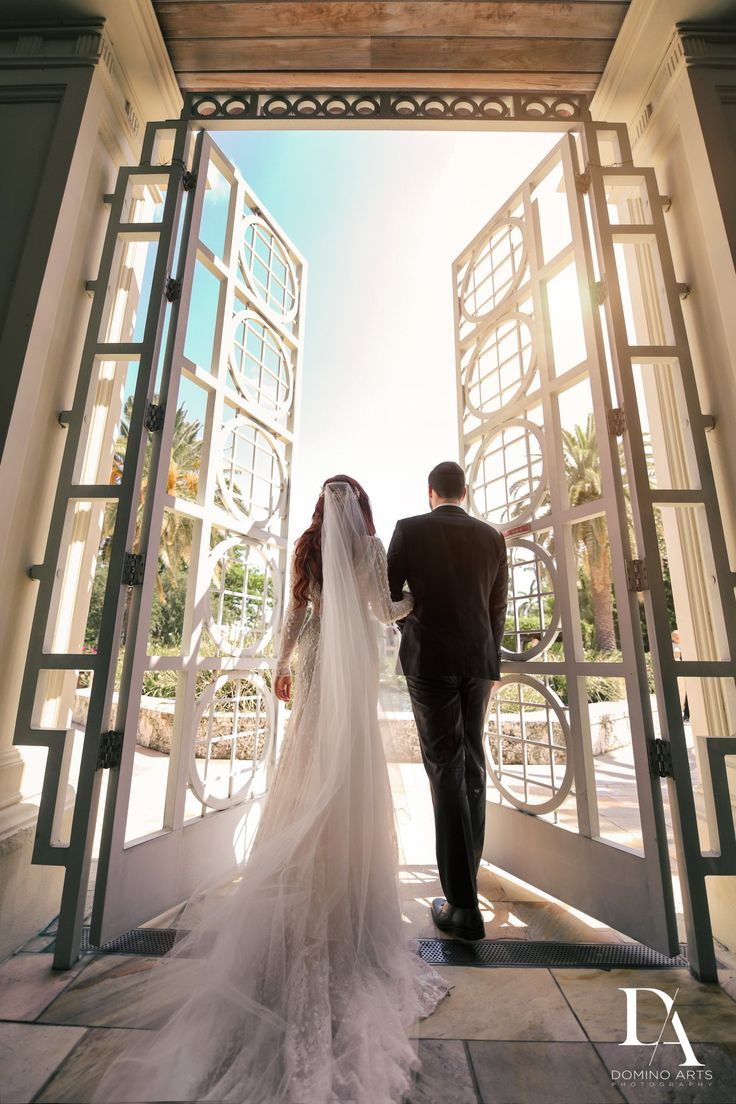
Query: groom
{"type": "Point", "coordinates": [456, 568]}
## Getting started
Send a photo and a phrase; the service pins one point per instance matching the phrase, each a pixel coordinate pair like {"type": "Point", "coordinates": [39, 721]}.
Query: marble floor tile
{"type": "Point", "coordinates": [531, 1073]}
{"type": "Point", "coordinates": [512, 889]}
{"type": "Point", "coordinates": [595, 996]}
{"type": "Point", "coordinates": [117, 991]}
{"type": "Point", "coordinates": [727, 980]}
{"type": "Point", "coordinates": [545, 920]}
{"type": "Point", "coordinates": [503, 1003]}
{"type": "Point", "coordinates": [445, 1075]}
{"type": "Point", "coordinates": [39, 943]}
{"type": "Point", "coordinates": [75, 1080]}
{"type": "Point", "coordinates": [420, 884]}
{"type": "Point", "coordinates": [29, 1054]}
{"type": "Point", "coordinates": [28, 984]}
{"type": "Point", "coordinates": [490, 887]}
{"type": "Point", "coordinates": [666, 1081]}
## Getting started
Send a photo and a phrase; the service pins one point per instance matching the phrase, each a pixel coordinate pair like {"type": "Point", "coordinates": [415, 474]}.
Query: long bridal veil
{"type": "Point", "coordinates": [298, 986]}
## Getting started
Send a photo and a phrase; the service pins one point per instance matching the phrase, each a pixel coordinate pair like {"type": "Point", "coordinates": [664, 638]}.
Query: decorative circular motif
{"type": "Point", "coordinates": [495, 270]}
{"type": "Point", "coordinates": [536, 109]}
{"type": "Point", "coordinates": [508, 478]}
{"type": "Point", "coordinates": [405, 106]}
{"type": "Point", "coordinates": [532, 583]}
{"type": "Point", "coordinates": [462, 107]}
{"type": "Point", "coordinates": [237, 708]}
{"type": "Point", "coordinates": [523, 738]}
{"type": "Point", "coordinates": [502, 365]}
{"type": "Point", "coordinates": [260, 363]}
{"type": "Point", "coordinates": [565, 109]}
{"type": "Point", "coordinates": [250, 472]}
{"type": "Point", "coordinates": [244, 597]}
{"type": "Point", "coordinates": [268, 268]}
{"type": "Point", "coordinates": [336, 105]}
{"type": "Point", "coordinates": [307, 105]}
{"type": "Point", "coordinates": [365, 105]}
{"type": "Point", "coordinates": [234, 107]}
{"type": "Point", "coordinates": [493, 108]}
{"type": "Point", "coordinates": [276, 105]}
{"type": "Point", "coordinates": [206, 107]}
{"type": "Point", "coordinates": [434, 107]}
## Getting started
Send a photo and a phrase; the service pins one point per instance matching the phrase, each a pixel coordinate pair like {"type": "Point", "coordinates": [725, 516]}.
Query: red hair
{"type": "Point", "coordinates": [308, 549]}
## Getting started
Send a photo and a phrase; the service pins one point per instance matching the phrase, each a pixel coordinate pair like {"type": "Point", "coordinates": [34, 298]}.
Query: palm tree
{"type": "Point", "coordinates": [182, 481]}
{"type": "Point", "coordinates": [583, 470]}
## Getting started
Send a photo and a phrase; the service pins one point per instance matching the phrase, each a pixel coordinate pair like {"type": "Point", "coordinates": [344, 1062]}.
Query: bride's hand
{"type": "Point", "coordinates": [282, 687]}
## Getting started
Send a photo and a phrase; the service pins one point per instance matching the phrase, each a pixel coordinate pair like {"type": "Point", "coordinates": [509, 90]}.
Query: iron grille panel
{"type": "Point", "coordinates": [545, 953]}
{"type": "Point", "coordinates": [348, 104]}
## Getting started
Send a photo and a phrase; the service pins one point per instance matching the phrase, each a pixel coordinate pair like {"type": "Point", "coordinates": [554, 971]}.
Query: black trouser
{"type": "Point", "coordinates": [450, 713]}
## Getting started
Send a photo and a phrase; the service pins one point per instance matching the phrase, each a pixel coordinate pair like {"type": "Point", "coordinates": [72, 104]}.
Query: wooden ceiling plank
{"type": "Point", "coordinates": [343, 18]}
{"type": "Point", "coordinates": [500, 55]}
{"type": "Point", "coordinates": [321, 80]}
{"type": "Point", "coordinates": [555, 54]}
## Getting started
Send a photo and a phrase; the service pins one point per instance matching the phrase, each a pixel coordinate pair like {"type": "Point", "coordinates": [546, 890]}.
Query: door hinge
{"type": "Point", "coordinates": [616, 418]}
{"type": "Point", "coordinates": [582, 181]}
{"type": "Point", "coordinates": [154, 418]}
{"type": "Point", "coordinates": [133, 568]}
{"type": "Point", "coordinates": [636, 575]}
{"type": "Point", "coordinates": [188, 180]}
{"type": "Point", "coordinates": [172, 289]}
{"type": "Point", "coordinates": [109, 750]}
{"type": "Point", "coordinates": [598, 292]}
{"type": "Point", "coordinates": [660, 758]}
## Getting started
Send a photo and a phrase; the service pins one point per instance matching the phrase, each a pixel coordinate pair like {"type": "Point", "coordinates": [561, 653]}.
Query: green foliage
{"type": "Point", "coordinates": [94, 616]}
{"type": "Point", "coordinates": [167, 610]}
{"type": "Point", "coordinates": [167, 613]}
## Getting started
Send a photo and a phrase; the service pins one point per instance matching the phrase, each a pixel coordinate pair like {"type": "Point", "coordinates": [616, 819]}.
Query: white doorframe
{"type": "Point", "coordinates": [44, 714]}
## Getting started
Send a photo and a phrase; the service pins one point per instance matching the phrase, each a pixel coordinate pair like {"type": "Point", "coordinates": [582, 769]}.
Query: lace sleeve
{"type": "Point", "coordinates": [379, 594]}
{"type": "Point", "coordinates": [290, 629]}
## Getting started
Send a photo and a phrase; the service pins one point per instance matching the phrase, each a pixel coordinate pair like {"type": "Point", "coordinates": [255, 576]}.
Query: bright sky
{"type": "Point", "coordinates": [379, 216]}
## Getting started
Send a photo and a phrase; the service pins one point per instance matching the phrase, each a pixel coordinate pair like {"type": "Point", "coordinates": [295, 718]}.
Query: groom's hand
{"type": "Point", "coordinates": [282, 687]}
{"type": "Point", "coordinates": [494, 687]}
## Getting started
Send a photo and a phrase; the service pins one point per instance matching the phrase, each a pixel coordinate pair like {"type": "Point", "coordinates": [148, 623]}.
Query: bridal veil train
{"type": "Point", "coordinates": [300, 986]}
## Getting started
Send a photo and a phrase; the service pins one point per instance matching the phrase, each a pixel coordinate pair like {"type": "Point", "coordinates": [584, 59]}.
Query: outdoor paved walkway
{"type": "Point", "coordinates": [503, 1036]}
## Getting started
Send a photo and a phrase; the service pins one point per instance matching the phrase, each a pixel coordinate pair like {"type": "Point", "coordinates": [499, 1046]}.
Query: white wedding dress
{"type": "Point", "coordinates": [300, 986]}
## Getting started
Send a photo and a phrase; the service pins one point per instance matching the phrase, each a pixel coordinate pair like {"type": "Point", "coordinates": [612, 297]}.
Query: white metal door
{"type": "Point", "coordinates": [585, 443]}
{"type": "Point", "coordinates": [234, 360]}
{"type": "Point", "coordinates": [543, 465]}
{"type": "Point", "coordinates": [165, 569]}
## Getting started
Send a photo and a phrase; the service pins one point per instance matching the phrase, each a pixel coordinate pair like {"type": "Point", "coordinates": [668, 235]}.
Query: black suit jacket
{"type": "Point", "coordinates": [456, 568]}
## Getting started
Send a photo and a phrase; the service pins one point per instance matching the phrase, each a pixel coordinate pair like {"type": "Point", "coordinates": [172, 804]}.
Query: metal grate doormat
{"type": "Point", "coordinates": [153, 942]}
{"type": "Point", "coordinates": [446, 952]}
{"type": "Point", "coordinates": [143, 941]}
{"type": "Point", "coordinates": [527, 952]}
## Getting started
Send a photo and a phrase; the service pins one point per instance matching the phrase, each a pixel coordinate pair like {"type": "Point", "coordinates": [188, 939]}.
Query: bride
{"type": "Point", "coordinates": [299, 986]}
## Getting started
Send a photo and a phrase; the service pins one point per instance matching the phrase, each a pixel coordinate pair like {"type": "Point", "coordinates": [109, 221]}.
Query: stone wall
{"type": "Point", "coordinates": [609, 724]}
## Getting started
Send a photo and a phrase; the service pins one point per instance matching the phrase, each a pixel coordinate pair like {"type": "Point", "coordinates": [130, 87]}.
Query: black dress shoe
{"type": "Point", "coordinates": [465, 923]}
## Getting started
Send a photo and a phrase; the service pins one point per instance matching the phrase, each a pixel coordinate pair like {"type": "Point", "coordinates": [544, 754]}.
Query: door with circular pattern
{"type": "Point", "coordinates": [573, 807]}
{"type": "Point", "coordinates": [196, 704]}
